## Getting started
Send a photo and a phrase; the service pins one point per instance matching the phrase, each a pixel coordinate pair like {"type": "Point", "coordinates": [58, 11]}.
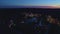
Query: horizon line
{"type": "Point", "coordinates": [29, 6]}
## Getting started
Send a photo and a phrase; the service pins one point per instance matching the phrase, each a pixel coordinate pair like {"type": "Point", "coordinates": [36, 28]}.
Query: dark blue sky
{"type": "Point", "coordinates": [29, 2]}
{"type": "Point", "coordinates": [19, 3]}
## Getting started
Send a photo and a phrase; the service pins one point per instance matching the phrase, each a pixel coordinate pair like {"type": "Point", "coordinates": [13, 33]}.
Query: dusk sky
{"type": "Point", "coordinates": [29, 2]}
